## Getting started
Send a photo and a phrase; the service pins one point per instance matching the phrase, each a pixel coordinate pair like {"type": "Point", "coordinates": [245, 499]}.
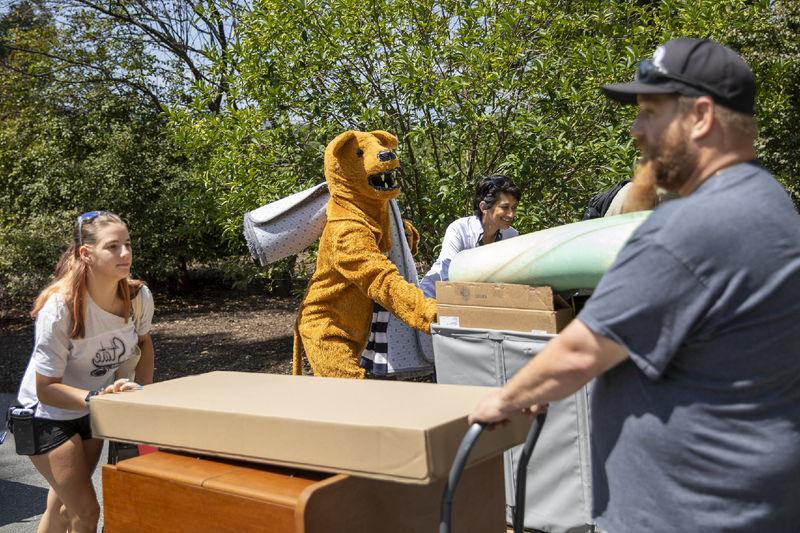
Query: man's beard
{"type": "Point", "coordinates": [673, 161]}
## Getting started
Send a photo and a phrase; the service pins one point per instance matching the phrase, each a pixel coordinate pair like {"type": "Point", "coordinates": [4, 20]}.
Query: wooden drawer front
{"type": "Point", "coordinates": [164, 492]}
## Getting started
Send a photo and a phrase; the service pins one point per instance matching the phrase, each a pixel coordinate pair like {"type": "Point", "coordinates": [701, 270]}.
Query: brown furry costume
{"type": "Point", "coordinates": [352, 268]}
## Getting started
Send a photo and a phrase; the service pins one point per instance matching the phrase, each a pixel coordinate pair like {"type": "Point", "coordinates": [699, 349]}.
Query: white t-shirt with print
{"type": "Point", "coordinates": [87, 363]}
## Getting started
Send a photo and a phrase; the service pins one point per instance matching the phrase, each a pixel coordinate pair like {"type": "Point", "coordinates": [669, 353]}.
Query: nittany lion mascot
{"type": "Point", "coordinates": [353, 271]}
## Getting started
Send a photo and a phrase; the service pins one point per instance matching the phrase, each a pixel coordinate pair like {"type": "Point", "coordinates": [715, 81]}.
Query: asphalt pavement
{"type": "Point", "coordinates": [23, 490]}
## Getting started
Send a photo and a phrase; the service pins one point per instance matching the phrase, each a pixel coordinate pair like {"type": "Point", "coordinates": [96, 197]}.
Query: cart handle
{"type": "Point", "coordinates": [464, 449]}
{"type": "Point", "coordinates": [518, 519]}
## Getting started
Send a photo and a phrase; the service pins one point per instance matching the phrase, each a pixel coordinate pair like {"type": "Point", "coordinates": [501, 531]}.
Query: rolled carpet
{"type": "Point", "coordinates": [287, 226]}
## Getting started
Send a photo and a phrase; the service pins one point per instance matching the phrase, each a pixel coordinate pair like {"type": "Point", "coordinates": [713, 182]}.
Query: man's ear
{"type": "Point", "coordinates": [387, 139]}
{"type": "Point", "coordinates": [338, 144]}
{"type": "Point", "coordinates": [702, 116]}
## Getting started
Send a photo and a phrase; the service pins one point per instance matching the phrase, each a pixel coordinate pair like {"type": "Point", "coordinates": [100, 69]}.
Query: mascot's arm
{"type": "Point", "coordinates": [358, 258]}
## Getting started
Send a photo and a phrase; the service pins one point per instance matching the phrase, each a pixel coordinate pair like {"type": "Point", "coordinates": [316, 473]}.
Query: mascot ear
{"type": "Point", "coordinates": [412, 236]}
{"type": "Point", "coordinates": [387, 139]}
{"type": "Point", "coordinates": [336, 146]}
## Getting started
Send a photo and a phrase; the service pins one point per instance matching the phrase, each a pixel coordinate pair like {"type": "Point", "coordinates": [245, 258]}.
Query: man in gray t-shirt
{"type": "Point", "coordinates": [702, 420]}
{"type": "Point", "coordinates": [696, 408]}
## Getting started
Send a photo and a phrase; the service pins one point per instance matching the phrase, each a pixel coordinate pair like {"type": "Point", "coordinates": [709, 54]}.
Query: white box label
{"type": "Point", "coordinates": [451, 321]}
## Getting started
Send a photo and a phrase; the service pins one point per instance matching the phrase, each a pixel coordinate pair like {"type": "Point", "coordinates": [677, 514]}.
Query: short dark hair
{"type": "Point", "coordinates": [488, 190]}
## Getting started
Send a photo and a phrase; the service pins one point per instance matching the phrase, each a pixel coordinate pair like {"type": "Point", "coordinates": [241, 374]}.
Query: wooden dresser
{"type": "Point", "coordinates": [170, 492]}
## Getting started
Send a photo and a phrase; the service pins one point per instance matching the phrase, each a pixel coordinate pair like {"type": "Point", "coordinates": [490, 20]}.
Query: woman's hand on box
{"type": "Point", "coordinates": [121, 385]}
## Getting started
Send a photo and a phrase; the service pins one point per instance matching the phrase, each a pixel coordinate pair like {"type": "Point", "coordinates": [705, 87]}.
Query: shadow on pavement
{"type": "Point", "coordinates": [27, 502]}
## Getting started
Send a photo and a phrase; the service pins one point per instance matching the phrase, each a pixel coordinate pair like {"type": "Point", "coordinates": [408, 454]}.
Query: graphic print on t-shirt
{"type": "Point", "coordinates": [108, 357]}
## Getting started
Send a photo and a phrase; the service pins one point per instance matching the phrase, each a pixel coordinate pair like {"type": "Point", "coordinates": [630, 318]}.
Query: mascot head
{"type": "Point", "coordinates": [361, 167]}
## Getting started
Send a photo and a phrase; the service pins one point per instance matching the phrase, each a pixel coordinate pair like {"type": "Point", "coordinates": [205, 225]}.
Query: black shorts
{"type": "Point", "coordinates": [50, 434]}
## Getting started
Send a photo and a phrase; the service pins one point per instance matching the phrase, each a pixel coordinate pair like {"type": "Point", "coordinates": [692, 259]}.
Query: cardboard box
{"type": "Point", "coordinates": [502, 306]}
{"type": "Point", "coordinates": [182, 493]}
{"type": "Point", "coordinates": [510, 295]}
{"type": "Point", "coordinates": [466, 316]}
{"type": "Point", "coordinates": [399, 431]}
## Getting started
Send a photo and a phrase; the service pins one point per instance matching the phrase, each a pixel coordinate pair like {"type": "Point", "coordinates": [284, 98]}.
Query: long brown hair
{"type": "Point", "coordinates": [69, 278]}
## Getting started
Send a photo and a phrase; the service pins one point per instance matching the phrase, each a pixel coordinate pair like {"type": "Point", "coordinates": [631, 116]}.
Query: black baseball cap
{"type": "Point", "coordinates": [692, 67]}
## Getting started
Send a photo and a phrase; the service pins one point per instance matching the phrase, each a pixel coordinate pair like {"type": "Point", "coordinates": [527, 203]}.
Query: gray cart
{"type": "Point", "coordinates": [558, 490]}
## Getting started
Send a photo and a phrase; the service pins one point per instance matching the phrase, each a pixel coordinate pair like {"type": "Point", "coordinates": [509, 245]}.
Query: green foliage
{"type": "Point", "coordinates": [469, 88]}
{"type": "Point", "coordinates": [27, 258]}
{"type": "Point", "coordinates": [67, 150]}
{"type": "Point", "coordinates": [773, 49]}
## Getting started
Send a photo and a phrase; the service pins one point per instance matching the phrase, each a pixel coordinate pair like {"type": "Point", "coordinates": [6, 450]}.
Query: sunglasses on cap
{"type": "Point", "coordinates": [650, 72]}
{"type": "Point", "coordinates": [86, 218]}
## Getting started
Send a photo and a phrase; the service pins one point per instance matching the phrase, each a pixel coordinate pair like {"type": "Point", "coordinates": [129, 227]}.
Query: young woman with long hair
{"type": "Point", "coordinates": [85, 330]}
